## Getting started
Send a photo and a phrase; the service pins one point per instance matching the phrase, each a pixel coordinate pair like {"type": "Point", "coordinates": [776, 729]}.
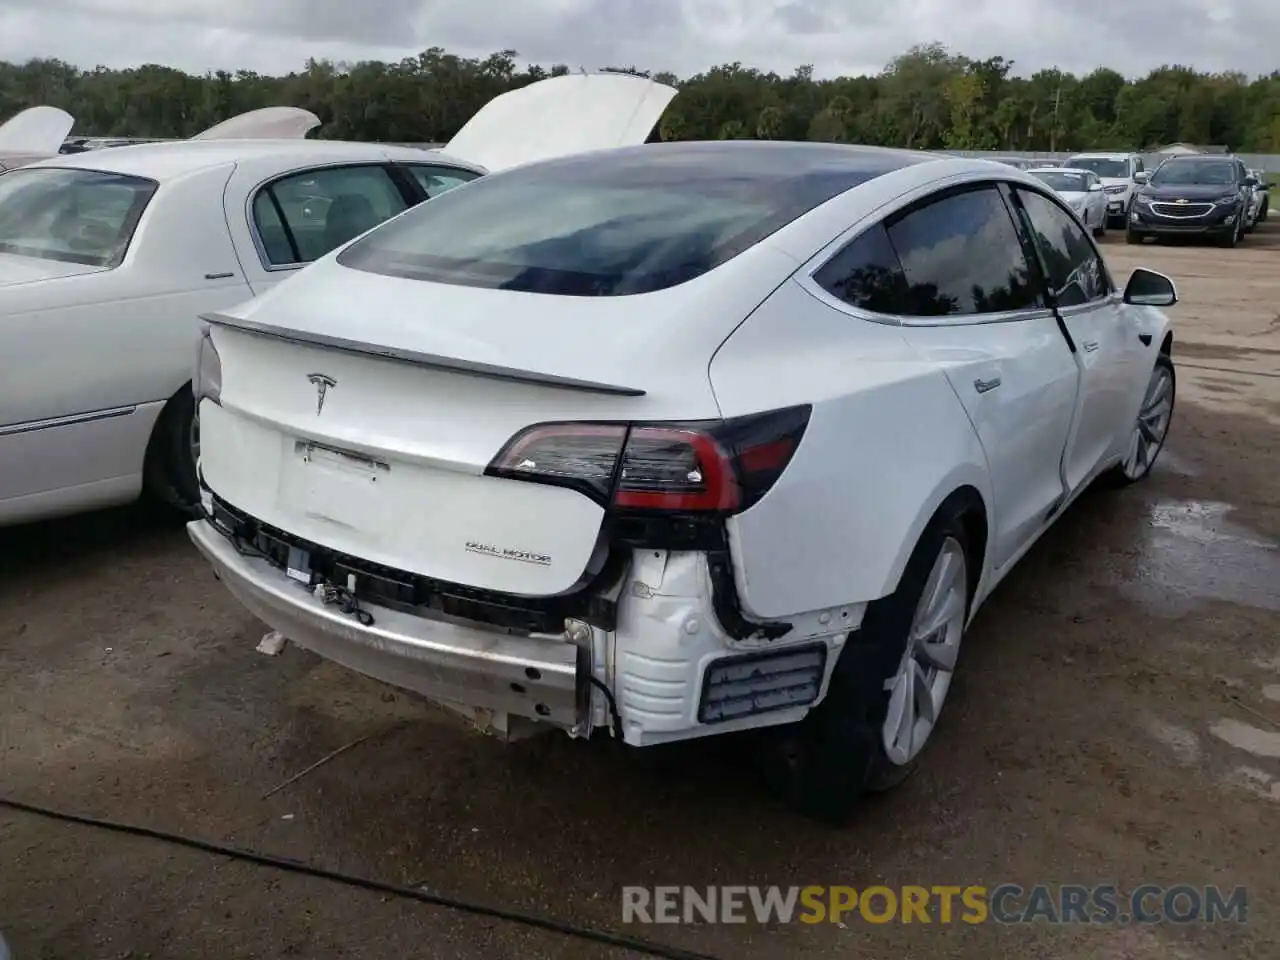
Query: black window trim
{"type": "Point", "coordinates": [914, 200]}
{"type": "Point", "coordinates": [1010, 190]}
{"type": "Point", "coordinates": [275, 178]}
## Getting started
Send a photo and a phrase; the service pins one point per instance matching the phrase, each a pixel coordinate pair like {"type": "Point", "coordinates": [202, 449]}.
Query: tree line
{"type": "Point", "coordinates": [928, 97]}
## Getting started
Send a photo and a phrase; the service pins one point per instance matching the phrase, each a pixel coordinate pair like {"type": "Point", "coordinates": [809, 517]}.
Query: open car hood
{"type": "Point", "coordinates": [35, 132]}
{"type": "Point", "coordinates": [267, 123]}
{"type": "Point", "coordinates": [559, 116]}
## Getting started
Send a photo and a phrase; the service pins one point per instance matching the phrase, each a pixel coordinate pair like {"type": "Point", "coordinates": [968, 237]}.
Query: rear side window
{"type": "Point", "coordinates": [962, 256]}
{"type": "Point", "coordinates": [436, 180]}
{"type": "Point", "coordinates": [588, 228]}
{"type": "Point", "coordinates": [866, 274]}
{"type": "Point", "coordinates": [302, 217]}
{"type": "Point", "coordinates": [76, 216]}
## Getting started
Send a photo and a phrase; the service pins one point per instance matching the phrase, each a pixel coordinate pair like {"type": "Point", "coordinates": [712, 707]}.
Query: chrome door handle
{"type": "Point", "coordinates": [982, 386]}
{"type": "Point", "coordinates": [1090, 346]}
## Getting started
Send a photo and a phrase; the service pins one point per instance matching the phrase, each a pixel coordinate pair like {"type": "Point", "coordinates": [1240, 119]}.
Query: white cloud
{"type": "Point", "coordinates": [836, 36]}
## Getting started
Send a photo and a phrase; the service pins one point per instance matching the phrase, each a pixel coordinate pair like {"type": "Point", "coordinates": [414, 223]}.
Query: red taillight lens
{"type": "Point", "coordinates": [722, 466]}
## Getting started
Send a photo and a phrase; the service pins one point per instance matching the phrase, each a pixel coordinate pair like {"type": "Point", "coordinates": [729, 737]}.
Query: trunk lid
{"type": "Point", "coordinates": [559, 116]}
{"type": "Point", "coordinates": [405, 419]}
{"type": "Point", "coordinates": [36, 131]}
{"type": "Point", "coordinates": [267, 123]}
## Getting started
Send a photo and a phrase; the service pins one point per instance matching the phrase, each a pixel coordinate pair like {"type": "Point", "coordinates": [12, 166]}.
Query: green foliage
{"type": "Point", "coordinates": [927, 97]}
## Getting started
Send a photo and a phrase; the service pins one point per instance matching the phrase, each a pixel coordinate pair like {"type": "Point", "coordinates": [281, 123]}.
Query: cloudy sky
{"type": "Point", "coordinates": [837, 36]}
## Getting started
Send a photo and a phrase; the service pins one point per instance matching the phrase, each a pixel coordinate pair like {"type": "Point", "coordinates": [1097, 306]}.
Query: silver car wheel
{"type": "Point", "coordinates": [1152, 425]}
{"type": "Point", "coordinates": [919, 688]}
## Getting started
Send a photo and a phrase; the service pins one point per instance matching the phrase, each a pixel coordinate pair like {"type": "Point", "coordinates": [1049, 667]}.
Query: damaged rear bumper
{"type": "Point", "coordinates": [534, 677]}
{"type": "Point", "coordinates": [667, 671]}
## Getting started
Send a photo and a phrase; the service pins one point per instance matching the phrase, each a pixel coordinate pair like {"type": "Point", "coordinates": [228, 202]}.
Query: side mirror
{"type": "Point", "coordinates": [1095, 188]}
{"type": "Point", "coordinates": [1147, 288]}
{"type": "Point", "coordinates": [1140, 177]}
{"type": "Point", "coordinates": [1250, 181]}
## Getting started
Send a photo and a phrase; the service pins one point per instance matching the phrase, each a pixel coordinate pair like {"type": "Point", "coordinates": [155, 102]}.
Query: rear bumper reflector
{"type": "Point", "coordinates": [756, 683]}
{"type": "Point", "coordinates": [533, 677]}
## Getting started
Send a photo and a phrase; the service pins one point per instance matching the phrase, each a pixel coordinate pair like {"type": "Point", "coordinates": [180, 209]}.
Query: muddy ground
{"type": "Point", "coordinates": [1091, 737]}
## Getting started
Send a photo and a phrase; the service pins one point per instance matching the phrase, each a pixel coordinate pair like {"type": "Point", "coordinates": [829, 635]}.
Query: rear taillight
{"type": "Point", "coordinates": [721, 466]}
{"type": "Point", "coordinates": [206, 378]}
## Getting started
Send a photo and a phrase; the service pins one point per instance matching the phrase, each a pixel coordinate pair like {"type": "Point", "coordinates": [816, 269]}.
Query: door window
{"type": "Point", "coordinates": [866, 274]}
{"type": "Point", "coordinates": [436, 180]}
{"type": "Point", "coordinates": [1072, 266]}
{"type": "Point", "coordinates": [301, 217]}
{"type": "Point", "coordinates": [961, 255]}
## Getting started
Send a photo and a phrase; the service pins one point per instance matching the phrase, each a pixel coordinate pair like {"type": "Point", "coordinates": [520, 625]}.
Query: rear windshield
{"type": "Point", "coordinates": [604, 226]}
{"type": "Point", "coordinates": [78, 216]}
{"type": "Point", "coordinates": [1064, 182]}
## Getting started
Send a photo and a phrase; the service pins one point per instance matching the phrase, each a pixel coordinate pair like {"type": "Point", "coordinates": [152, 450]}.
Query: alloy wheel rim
{"type": "Point", "coordinates": [1151, 426]}
{"type": "Point", "coordinates": [919, 688]}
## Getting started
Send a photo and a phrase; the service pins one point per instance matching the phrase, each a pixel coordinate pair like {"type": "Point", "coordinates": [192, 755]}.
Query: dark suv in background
{"type": "Point", "coordinates": [1199, 195]}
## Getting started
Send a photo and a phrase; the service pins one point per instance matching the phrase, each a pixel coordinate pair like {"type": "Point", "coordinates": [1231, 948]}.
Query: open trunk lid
{"type": "Point", "coordinates": [359, 412]}
{"type": "Point", "coordinates": [267, 123]}
{"type": "Point", "coordinates": [559, 116]}
{"type": "Point", "coordinates": [35, 132]}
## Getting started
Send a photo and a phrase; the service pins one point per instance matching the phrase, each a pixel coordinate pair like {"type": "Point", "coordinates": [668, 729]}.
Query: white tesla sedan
{"type": "Point", "coordinates": [1083, 192]}
{"type": "Point", "coordinates": [679, 440]}
{"type": "Point", "coordinates": [107, 258]}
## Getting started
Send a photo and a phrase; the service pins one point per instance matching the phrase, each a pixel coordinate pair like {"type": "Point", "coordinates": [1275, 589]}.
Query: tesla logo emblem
{"type": "Point", "coordinates": [1180, 201]}
{"type": "Point", "coordinates": [323, 383]}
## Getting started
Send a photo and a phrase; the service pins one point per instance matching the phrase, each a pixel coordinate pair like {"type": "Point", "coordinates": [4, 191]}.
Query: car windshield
{"type": "Point", "coordinates": [640, 221]}
{"type": "Point", "coordinates": [1060, 181]}
{"type": "Point", "coordinates": [1102, 166]}
{"type": "Point", "coordinates": [1195, 172]}
{"type": "Point", "coordinates": [78, 216]}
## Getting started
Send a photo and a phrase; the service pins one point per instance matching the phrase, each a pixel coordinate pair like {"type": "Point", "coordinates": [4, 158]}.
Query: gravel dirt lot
{"type": "Point", "coordinates": [1116, 718]}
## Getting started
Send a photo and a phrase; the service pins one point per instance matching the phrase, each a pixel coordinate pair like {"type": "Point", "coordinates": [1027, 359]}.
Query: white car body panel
{"type": "Point", "coordinates": [1018, 412]}
{"type": "Point", "coordinates": [267, 123]}
{"type": "Point", "coordinates": [124, 336]}
{"type": "Point", "coordinates": [558, 116]}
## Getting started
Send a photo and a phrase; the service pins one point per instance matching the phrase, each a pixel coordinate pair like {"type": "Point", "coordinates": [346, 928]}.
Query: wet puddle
{"type": "Point", "coordinates": [1191, 552]}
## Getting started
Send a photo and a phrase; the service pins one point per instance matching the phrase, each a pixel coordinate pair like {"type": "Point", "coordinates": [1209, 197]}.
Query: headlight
{"type": "Point", "coordinates": [1228, 200]}
{"type": "Point", "coordinates": [1116, 188]}
{"type": "Point", "coordinates": [1142, 199]}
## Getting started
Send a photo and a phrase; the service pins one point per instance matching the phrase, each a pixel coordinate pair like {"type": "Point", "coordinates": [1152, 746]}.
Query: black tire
{"type": "Point", "coordinates": [1116, 477]}
{"type": "Point", "coordinates": [1262, 213]}
{"type": "Point", "coordinates": [171, 466]}
{"type": "Point", "coordinates": [1229, 240]}
{"type": "Point", "coordinates": [1131, 237]}
{"type": "Point", "coordinates": [822, 766]}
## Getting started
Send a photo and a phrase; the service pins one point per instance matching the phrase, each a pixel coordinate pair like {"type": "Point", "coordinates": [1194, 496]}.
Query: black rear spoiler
{"type": "Point", "coordinates": [452, 364]}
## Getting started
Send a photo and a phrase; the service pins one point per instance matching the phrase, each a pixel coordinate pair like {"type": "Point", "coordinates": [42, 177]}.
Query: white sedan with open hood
{"type": "Point", "coordinates": [679, 439]}
{"type": "Point", "coordinates": [107, 258]}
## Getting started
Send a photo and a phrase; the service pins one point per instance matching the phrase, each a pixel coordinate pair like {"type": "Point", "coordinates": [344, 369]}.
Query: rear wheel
{"type": "Point", "coordinates": [173, 452]}
{"type": "Point", "coordinates": [888, 687]}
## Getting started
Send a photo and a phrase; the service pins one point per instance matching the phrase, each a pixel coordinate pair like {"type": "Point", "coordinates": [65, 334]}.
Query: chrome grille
{"type": "Point", "coordinates": [1166, 209]}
